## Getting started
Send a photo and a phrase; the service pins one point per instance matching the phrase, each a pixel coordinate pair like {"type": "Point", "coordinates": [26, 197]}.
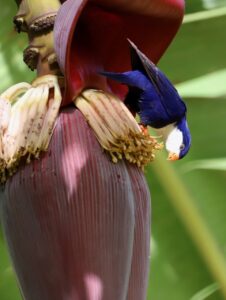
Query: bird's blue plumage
{"type": "Point", "coordinates": [152, 95]}
{"type": "Point", "coordinates": [182, 125]}
{"type": "Point", "coordinates": [166, 93]}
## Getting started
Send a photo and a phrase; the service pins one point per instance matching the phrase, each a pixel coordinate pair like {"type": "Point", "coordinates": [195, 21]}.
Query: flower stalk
{"type": "Point", "coordinates": [37, 18]}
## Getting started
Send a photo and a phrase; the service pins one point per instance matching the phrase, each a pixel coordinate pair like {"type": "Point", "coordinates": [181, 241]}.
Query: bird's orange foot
{"type": "Point", "coordinates": [144, 129]}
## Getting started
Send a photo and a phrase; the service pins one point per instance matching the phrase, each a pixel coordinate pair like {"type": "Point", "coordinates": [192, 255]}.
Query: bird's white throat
{"type": "Point", "coordinates": [172, 137]}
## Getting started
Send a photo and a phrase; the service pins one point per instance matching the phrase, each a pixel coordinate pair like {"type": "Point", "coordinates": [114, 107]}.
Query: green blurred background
{"type": "Point", "coordinates": [188, 197]}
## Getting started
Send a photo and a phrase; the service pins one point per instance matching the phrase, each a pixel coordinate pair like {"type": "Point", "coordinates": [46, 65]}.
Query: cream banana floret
{"type": "Point", "coordinates": [116, 129]}
{"type": "Point", "coordinates": [27, 118]}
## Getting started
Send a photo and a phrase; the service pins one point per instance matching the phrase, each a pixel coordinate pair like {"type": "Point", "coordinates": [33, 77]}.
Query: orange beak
{"type": "Point", "coordinates": [173, 156]}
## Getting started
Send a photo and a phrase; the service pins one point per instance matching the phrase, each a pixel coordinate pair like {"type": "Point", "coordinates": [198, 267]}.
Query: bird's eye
{"type": "Point", "coordinates": [182, 147]}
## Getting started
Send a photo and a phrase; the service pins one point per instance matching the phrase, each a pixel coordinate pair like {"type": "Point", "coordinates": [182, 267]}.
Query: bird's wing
{"type": "Point", "coordinates": [170, 98]}
{"type": "Point", "coordinates": [135, 54]}
{"type": "Point", "coordinates": [152, 112]}
{"type": "Point", "coordinates": [168, 95]}
{"type": "Point", "coordinates": [132, 99]}
{"type": "Point", "coordinates": [139, 61]}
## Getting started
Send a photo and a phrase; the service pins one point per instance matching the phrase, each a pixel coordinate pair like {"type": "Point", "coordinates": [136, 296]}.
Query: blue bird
{"type": "Point", "coordinates": [157, 102]}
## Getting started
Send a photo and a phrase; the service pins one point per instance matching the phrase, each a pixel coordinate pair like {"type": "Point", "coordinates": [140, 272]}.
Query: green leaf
{"type": "Point", "coordinates": [179, 269]}
{"type": "Point", "coordinates": [218, 164]}
{"type": "Point", "coordinates": [206, 292]}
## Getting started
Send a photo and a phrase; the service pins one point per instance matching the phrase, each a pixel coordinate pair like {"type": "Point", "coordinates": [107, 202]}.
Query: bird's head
{"type": "Point", "coordinates": [178, 141]}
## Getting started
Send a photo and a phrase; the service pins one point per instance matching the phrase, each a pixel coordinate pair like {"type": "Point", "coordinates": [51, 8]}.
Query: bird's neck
{"type": "Point", "coordinates": [165, 131]}
{"type": "Point", "coordinates": [182, 124]}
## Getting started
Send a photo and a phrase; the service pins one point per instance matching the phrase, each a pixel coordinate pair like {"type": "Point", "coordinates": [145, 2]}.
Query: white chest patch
{"type": "Point", "coordinates": [174, 140]}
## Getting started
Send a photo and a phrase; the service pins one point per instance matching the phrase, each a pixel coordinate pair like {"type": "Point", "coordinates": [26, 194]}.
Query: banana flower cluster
{"type": "Point", "coordinates": [76, 205]}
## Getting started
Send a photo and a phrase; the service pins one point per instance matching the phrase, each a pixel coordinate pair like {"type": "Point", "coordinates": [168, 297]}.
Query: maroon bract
{"type": "Point", "coordinates": [74, 220]}
{"type": "Point", "coordinates": [92, 35]}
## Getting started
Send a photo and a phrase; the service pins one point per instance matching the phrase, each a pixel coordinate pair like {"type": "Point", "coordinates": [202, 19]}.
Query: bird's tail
{"type": "Point", "coordinates": [130, 78]}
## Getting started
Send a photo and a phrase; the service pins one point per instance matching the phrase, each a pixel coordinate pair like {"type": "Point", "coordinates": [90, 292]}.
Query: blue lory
{"type": "Point", "coordinates": [157, 102]}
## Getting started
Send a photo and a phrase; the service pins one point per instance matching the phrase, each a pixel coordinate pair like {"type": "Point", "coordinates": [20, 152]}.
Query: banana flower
{"type": "Point", "coordinates": [77, 219]}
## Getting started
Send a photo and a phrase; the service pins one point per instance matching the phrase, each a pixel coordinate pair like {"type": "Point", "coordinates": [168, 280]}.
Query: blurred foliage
{"type": "Point", "coordinates": [198, 5]}
{"type": "Point", "coordinates": [182, 264]}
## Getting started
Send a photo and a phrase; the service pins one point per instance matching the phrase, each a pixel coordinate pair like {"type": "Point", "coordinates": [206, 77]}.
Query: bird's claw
{"type": "Point", "coordinates": [144, 129]}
